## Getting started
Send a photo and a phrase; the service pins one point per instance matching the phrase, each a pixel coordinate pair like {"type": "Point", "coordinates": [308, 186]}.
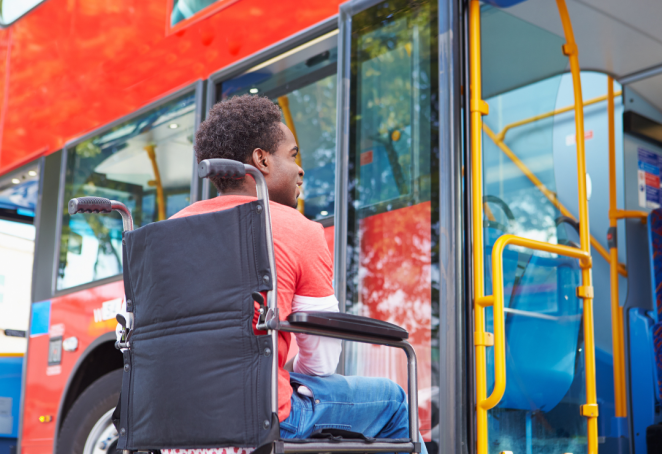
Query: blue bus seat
{"type": "Point", "coordinates": [642, 363]}
{"type": "Point", "coordinates": [542, 333]}
{"type": "Point", "coordinates": [655, 255]}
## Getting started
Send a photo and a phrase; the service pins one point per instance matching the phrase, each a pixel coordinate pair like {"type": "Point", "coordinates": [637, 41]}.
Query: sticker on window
{"type": "Point", "coordinates": [648, 174]}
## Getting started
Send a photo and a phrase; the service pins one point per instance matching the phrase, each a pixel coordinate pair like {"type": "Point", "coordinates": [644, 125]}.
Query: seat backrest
{"type": "Point", "coordinates": [197, 375]}
{"type": "Point", "coordinates": [655, 255]}
{"type": "Point", "coordinates": [540, 303]}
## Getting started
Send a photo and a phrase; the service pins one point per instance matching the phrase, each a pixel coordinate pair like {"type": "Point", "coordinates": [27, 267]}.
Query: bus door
{"type": "Point", "coordinates": [532, 291]}
{"type": "Point", "coordinates": [18, 201]}
{"type": "Point", "coordinates": [387, 254]}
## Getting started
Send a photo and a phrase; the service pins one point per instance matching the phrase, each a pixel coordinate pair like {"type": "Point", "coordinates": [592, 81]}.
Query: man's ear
{"type": "Point", "coordinates": [261, 160]}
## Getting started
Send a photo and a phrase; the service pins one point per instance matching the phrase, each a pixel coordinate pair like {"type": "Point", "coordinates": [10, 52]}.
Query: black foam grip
{"type": "Point", "coordinates": [89, 205]}
{"type": "Point", "coordinates": [224, 168]}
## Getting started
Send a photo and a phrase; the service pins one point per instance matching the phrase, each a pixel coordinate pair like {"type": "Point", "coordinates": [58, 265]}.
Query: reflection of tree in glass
{"type": "Point", "coordinates": [391, 47]}
{"type": "Point", "coordinates": [393, 213]}
{"type": "Point", "coordinates": [81, 180]}
{"type": "Point", "coordinates": [534, 215]}
{"type": "Point", "coordinates": [313, 109]}
{"type": "Point", "coordinates": [385, 85]}
{"type": "Point", "coordinates": [395, 271]}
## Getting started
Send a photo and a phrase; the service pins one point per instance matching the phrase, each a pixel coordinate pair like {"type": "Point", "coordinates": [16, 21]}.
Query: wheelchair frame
{"type": "Point", "coordinates": [339, 329]}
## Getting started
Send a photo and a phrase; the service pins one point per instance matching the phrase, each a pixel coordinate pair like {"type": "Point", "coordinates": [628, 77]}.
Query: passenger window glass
{"type": "Point", "coordinates": [144, 163]}
{"type": "Point", "coordinates": [10, 10]}
{"type": "Point", "coordinates": [393, 237]}
{"type": "Point", "coordinates": [184, 9]}
{"type": "Point", "coordinates": [303, 83]}
{"type": "Point", "coordinates": [18, 201]}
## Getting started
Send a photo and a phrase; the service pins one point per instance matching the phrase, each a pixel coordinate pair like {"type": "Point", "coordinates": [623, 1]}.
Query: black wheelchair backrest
{"type": "Point", "coordinates": [193, 354]}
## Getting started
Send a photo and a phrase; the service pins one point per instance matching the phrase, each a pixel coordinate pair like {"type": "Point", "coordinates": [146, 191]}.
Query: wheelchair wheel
{"type": "Point", "coordinates": [88, 428]}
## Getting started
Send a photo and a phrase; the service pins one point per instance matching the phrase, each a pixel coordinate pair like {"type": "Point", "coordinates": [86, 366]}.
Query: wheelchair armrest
{"type": "Point", "coordinates": [347, 323]}
{"type": "Point", "coordinates": [359, 329]}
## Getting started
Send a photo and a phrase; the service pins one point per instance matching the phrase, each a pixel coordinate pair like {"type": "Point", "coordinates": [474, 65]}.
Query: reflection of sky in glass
{"type": "Point", "coordinates": [21, 196]}
{"type": "Point", "coordinates": [26, 231]}
{"type": "Point", "coordinates": [13, 9]}
{"type": "Point", "coordinates": [183, 9]}
{"type": "Point", "coordinates": [313, 109]}
{"type": "Point", "coordinates": [117, 165]}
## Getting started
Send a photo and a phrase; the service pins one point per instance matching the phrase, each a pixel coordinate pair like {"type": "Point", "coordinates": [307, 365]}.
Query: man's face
{"type": "Point", "coordinates": [285, 177]}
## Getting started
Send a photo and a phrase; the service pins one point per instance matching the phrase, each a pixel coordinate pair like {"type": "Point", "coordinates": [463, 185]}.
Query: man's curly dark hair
{"type": "Point", "coordinates": [234, 128]}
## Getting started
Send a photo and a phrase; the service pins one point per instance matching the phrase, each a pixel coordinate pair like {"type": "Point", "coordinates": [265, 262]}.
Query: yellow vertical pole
{"type": "Point", "coordinates": [160, 197]}
{"type": "Point", "coordinates": [284, 103]}
{"type": "Point", "coordinates": [590, 409]}
{"type": "Point", "coordinates": [478, 109]}
{"type": "Point", "coordinates": [616, 310]}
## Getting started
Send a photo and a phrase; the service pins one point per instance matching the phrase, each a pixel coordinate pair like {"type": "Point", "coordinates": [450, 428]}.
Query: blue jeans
{"type": "Point", "coordinates": [375, 407]}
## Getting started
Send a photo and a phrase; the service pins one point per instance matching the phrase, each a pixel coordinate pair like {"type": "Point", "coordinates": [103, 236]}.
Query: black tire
{"type": "Point", "coordinates": [95, 402]}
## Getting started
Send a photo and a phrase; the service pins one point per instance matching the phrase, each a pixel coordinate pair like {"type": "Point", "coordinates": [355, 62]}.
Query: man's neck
{"type": "Point", "coordinates": [246, 189]}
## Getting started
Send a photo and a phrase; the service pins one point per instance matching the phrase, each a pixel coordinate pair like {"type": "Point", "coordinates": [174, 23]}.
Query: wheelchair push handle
{"type": "Point", "coordinates": [90, 205]}
{"type": "Point", "coordinates": [101, 205]}
{"type": "Point", "coordinates": [224, 168]}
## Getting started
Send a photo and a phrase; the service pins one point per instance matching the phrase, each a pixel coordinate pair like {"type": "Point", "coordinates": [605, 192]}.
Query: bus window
{"type": "Point", "coordinates": [144, 163]}
{"type": "Point", "coordinates": [303, 83]}
{"type": "Point", "coordinates": [18, 200]}
{"type": "Point", "coordinates": [392, 242]}
{"type": "Point", "coordinates": [184, 9]}
{"type": "Point", "coordinates": [12, 10]}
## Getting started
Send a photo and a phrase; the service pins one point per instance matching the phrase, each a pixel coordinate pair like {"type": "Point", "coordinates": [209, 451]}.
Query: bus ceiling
{"type": "Point", "coordinates": [619, 38]}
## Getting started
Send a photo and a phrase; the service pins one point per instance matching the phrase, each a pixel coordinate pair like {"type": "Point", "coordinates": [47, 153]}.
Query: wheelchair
{"type": "Point", "coordinates": [196, 375]}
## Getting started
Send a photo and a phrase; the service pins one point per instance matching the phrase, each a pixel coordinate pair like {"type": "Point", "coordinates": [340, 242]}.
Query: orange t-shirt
{"type": "Point", "coordinates": [304, 268]}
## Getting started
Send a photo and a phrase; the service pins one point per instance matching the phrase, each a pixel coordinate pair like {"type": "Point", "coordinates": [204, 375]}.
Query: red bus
{"type": "Point", "coordinates": [385, 99]}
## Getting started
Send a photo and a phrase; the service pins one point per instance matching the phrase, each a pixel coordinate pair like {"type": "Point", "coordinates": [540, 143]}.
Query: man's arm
{"type": "Point", "coordinates": [317, 355]}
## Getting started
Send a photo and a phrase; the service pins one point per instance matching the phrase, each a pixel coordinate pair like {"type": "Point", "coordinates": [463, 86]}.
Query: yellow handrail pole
{"type": "Point", "coordinates": [160, 197]}
{"type": "Point", "coordinates": [590, 409]}
{"type": "Point", "coordinates": [628, 214]}
{"type": "Point", "coordinates": [284, 103]}
{"type": "Point", "coordinates": [550, 195]}
{"type": "Point", "coordinates": [497, 300]}
{"type": "Point", "coordinates": [478, 108]}
{"type": "Point", "coordinates": [526, 121]}
{"type": "Point", "coordinates": [12, 355]}
{"type": "Point", "coordinates": [616, 310]}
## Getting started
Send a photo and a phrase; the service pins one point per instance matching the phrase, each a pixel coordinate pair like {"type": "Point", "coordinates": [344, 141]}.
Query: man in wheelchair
{"type": "Point", "coordinates": [311, 399]}
{"type": "Point", "coordinates": [249, 129]}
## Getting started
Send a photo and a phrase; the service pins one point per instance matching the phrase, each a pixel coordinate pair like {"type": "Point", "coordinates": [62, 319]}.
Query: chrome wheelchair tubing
{"type": "Point", "coordinates": [127, 219]}
{"type": "Point", "coordinates": [272, 296]}
{"type": "Point", "coordinates": [263, 196]}
{"type": "Point", "coordinates": [404, 345]}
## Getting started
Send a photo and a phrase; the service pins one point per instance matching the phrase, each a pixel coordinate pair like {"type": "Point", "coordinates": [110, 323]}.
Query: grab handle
{"type": "Point", "coordinates": [224, 168]}
{"type": "Point", "coordinates": [90, 205]}
{"type": "Point", "coordinates": [101, 205]}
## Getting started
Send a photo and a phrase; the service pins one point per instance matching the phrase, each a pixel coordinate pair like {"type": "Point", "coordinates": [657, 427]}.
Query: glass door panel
{"type": "Point", "coordinates": [392, 198]}
{"type": "Point", "coordinates": [302, 82]}
{"type": "Point", "coordinates": [545, 382]}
